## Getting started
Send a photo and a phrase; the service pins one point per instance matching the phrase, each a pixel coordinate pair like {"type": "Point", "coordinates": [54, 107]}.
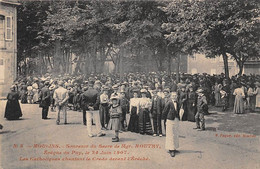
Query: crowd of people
{"type": "Point", "coordinates": [156, 101]}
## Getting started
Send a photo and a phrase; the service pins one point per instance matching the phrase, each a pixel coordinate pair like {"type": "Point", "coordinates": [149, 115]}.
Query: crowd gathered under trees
{"type": "Point", "coordinates": [127, 32]}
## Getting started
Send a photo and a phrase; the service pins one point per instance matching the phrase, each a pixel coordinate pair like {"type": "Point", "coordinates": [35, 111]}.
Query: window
{"type": "Point", "coordinates": [2, 32]}
{"type": "Point", "coordinates": [8, 35]}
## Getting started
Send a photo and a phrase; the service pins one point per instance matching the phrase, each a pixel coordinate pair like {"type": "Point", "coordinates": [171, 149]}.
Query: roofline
{"type": "Point", "coordinates": [10, 3]}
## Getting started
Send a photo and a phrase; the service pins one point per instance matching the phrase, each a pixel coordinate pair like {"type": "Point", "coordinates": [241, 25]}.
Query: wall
{"type": "Point", "coordinates": [198, 63]}
{"type": "Point", "coordinates": [8, 53]}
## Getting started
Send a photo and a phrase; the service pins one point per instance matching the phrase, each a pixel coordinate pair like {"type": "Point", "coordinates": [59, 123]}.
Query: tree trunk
{"type": "Point", "coordinates": [225, 60]}
{"type": "Point", "coordinates": [169, 65]}
{"type": "Point", "coordinates": [178, 69]}
{"type": "Point", "coordinates": [241, 66]}
{"type": "Point", "coordinates": [121, 71]}
{"type": "Point", "coordinates": [57, 56]}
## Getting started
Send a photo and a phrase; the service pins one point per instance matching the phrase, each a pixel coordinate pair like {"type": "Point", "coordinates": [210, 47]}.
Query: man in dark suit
{"type": "Point", "coordinates": [90, 105]}
{"type": "Point", "coordinates": [45, 100]}
{"type": "Point", "coordinates": [156, 111]}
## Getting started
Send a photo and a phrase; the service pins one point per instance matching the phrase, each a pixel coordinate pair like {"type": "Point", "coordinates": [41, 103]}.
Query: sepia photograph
{"type": "Point", "coordinates": [130, 84]}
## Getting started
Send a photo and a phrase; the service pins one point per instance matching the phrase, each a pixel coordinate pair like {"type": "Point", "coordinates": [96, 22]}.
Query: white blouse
{"type": "Point", "coordinates": [145, 103]}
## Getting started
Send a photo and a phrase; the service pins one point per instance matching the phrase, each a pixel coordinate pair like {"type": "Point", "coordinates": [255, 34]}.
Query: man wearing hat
{"type": "Point", "coordinates": [124, 103]}
{"type": "Point", "coordinates": [90, 105]}
{"type": "Point", "coordinates": [156, 111]}
{"type": "Point", "coordinates": [115, 93]}
{"type": "Point", "coordinates": [201, 105]}
{"type": "Point", "coordinates": [61, 97]}
{"type": "Point", "coordinates": [103, 108]}
{"type": "Point", "coordinates": [45, 100]}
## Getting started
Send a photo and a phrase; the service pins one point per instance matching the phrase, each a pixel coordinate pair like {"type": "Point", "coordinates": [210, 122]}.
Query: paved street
{"type": "Point", "coordinates": [217, 147]}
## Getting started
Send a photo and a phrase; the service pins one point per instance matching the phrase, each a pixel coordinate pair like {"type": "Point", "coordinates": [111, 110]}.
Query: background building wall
{"type": "Point", "coordinates": [8, 53]}
{"type": "Point", "coordinates": [198, 63]}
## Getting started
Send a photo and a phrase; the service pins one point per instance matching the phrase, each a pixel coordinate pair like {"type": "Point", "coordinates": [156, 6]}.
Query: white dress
{"type": "Point", "coordinates": [257, 98]}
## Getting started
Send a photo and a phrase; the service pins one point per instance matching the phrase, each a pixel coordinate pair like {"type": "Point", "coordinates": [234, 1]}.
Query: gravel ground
{"type": "Point", "coordinates": [230, 141]}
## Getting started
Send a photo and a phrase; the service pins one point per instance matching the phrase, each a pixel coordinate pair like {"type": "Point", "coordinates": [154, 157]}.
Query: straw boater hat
{"type": "Point", "coordinates": [154, 91]}
{"type": "Point", "coordinates": [122, 91]}
{"type": "Point", "coordinates": [143, 91]}
{"type": "Point", "coordinates": [115, 87]}
{"type": "Point", "coordinates": [105, 88]}
{"type": "Point", "coordinates": [200, 91]}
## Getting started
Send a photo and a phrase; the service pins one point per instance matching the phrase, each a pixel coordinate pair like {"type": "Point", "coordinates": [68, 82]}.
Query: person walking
{"type": "Point", "coordinates": [61, 97]}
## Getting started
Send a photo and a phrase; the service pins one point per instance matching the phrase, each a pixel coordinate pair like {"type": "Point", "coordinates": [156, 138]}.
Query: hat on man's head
{"type": "Point", "coordinates": [105, 88]}
{"type": "Point", "coordinates": [167, 90]}
{"type": "Point", "coordinates": [114, 98]}
{"type": "Point", "coordinates": [200, 91]}
{"type": "Point", "coordinates": [143, 91]}
{"type": "Point", "coordinates": [115, 87]}
{"type": "Point", "coordinates": [122, 91]}
{"type": "Point", "coordinates": [154, 91]}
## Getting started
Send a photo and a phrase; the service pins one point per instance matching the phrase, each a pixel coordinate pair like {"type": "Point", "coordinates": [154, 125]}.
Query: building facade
{"type": "Point", "coordinates": [8, 45]}
{"type": "Point", "coordinates": [198, 63]}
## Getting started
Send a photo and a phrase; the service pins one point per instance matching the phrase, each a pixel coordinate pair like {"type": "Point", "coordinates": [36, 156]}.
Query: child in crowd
{"type": "Point", "coordinates": [115, 116]}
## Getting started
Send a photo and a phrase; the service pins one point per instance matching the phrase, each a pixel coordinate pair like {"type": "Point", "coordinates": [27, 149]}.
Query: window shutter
{"type": "Point", "coordinates": [8, 35]}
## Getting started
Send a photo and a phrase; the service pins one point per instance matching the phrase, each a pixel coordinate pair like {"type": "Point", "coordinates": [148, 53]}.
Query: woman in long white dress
{"type": "Point", "coordinates": [239, 100]}
{"type": "Point", "coordinates": [257, 93]}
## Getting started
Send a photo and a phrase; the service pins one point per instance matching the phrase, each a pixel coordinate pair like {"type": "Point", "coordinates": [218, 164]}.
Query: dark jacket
{"type": "Point", "coordinates": [157, 105]}
{"type": "Point", "coordinates": [45, 98]}
{"type": "Point", "coordinates": [169, 110]}
{"type": "Point", "coordinates": [90, 98]}
{"type": "Point", "coordinates": [124, 103]}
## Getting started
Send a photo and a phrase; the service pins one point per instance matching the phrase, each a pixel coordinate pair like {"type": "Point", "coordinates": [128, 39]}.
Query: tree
{"type": "Point", "coordinates": [217, 28]}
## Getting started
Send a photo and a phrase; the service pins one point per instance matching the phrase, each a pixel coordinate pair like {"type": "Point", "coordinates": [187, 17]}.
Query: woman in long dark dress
{"type": "Point", "coordinates": [145, 125]}
{"type": "Point", "coordinates": [134, 111]}
{"type": "Point", "coordinates": [182, 100]}
{"type": "Point", "coordinates": [13, 109]}
{"type": "Point", "coordinates": [191, 105]}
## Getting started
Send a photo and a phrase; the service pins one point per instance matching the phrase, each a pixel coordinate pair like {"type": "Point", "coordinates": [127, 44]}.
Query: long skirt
{"type": "Point", "coordinates": [172, 134]}
{"type": "Point", "coordinates": [257, 105]}
{"type": "Point", "coordinates": [133, 122]}
{"type": "Point", "coordinates": [13, 110]}
{"type": "Point", "coordinates": [35, 96]}
{"type": "Point", "coordinates": [191, 112]}
{"type": "Point", "coordinates": [217, 99]}
{"type": "Point", "coordinates": [145, 126]}
{"type": "Point", "coordinates": [238, 105]}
